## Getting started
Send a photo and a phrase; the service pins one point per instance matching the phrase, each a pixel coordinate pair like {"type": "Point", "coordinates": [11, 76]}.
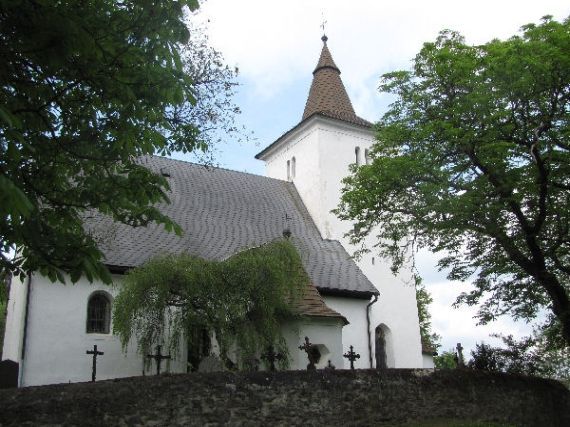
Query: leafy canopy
{"type": "Point", "coordinates": [241, 300]}
{"type": "Point", "coordinates": [87, 88]}
{"type": "Point", "coordinates": [473, 161]}
{"type": "Point", "coordinates": [530, 356]}
{"type": "Point", "coordinates": [423, 301]}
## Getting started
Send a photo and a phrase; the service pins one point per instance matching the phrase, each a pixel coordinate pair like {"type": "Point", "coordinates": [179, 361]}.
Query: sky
{"type": "Point", "coordinates": [276, 46]}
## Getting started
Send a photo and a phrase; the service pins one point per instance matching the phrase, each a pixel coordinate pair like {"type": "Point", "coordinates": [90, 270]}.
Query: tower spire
{"type": "Point", "coordinates": [328, 95]}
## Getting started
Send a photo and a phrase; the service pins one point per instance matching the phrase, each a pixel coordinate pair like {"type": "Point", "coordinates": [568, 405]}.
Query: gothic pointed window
{"type": "Point", "coordinates": [357, 155]}
{"type": "Point", "coordinates": [98, 313]}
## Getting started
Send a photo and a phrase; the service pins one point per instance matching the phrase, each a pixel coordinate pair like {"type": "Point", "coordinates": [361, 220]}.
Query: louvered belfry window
{"type": "Point", "coordinates": [98, 314]}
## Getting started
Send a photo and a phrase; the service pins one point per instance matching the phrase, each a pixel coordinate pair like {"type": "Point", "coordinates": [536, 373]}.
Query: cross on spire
{"type": "Point", "coordinates": [158, 358]}
{"type": "Point", "coordinates": [95, 353]}
{"type": "Point", "coordinates": [352, 356]}
{"type": "Point", "coordinates": [324, 38]}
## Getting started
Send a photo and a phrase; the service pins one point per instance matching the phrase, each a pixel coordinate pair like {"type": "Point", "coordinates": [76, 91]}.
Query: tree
{"type": "Point", "coordinates": [86, 89]}
{"type": "Point", "coordinates": [473, 161]}
{"type": "Point", "coordinates": [423, 300]}
{"type": "Point", "coordinates": [529, 356]}
{"type": "Point", "coordinates": [446, 360]}
{"type": "Point", "coordinates": [241, 301]}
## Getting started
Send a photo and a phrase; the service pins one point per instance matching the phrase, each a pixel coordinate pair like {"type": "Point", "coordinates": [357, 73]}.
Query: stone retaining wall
{"type": "Point", "coordinates": [337, 398]}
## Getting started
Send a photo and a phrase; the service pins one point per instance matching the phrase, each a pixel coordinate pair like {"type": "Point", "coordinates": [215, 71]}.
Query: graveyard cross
{"type": "Point", "coordinates": [460, 360]}
{"type": "Point", "coordinates": [352, 356]}
{"type": "Point", "coordinates": [158, 357]}
{"type": "Point", "coordinates": [271, 356]}
{"type": "Point", "coordinates": [95, 353]}
{"type": "Point", "coordinates": [307, 347]}
{"type": "Point", "coordinates": [330, 367]}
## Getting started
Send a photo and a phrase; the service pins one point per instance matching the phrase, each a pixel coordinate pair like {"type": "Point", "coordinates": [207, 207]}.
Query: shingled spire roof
{"type": "Point", "coordinates": [327, 98]}
{"type": "Point", "coordinates": [327, 95]}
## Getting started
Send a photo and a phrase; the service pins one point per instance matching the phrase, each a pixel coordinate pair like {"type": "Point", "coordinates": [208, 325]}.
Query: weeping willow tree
{"type": "Point", "coordinates": [242, 300]}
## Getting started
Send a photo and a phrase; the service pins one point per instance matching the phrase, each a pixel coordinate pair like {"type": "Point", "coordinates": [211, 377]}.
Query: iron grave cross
{"type": "Point", "coordinates": [271, 356]}
{"type": "Point", "coordinates": [308, 348]}
{"type": "Point", "coordinates": [95, 353]}
{"type": "Point", "coordinates": [158, 358]}
{"type": "Point", "coordinates": [460, 359]}
{"type": "Point", "coordinates": [352, 356]}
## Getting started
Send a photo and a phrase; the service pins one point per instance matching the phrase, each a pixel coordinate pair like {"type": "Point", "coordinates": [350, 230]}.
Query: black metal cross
{"type": "Point", "coordinates": [330, 367]}
{"type": "Point", "coordinates": [352, 356]}
{"type": "Point", "coordinates": [307, 348]}
{"type": "Point", "coordinates": [271, 356]}
{"type": "Point", "coordinates": [460, 360]}
{"type": "Point", "coordinates": [95, 353]}
{"type": "Point", "coordinates": [158, 358]}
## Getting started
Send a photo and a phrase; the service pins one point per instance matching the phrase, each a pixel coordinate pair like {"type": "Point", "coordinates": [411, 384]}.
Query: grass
{"type": "Point", "coordinates": [440, 422]}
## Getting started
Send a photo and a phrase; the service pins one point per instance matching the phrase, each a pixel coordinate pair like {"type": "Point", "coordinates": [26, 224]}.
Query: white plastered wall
{"type": "Point", "coordinates": [56, 338]}
{"type": "Point", "coordinates": [325, 333]}
{"type": "Point", "coordinates": [323, 150]}
{"type": "Point", "coordinates": [428, 361]}
{"type": "Point", "coordinates": [15, 319]}
{"type": "Point", "coordinates": [355, 333]}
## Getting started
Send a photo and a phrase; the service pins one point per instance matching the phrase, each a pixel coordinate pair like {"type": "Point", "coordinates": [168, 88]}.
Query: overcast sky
{"type": "Point", "coordinates": [276, 45]}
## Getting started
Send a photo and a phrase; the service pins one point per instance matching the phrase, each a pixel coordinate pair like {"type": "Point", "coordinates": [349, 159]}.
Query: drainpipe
{"type": "Point", "coordinates": [26, 321]}
{"type": "Point", "coordinates": [368, 324]}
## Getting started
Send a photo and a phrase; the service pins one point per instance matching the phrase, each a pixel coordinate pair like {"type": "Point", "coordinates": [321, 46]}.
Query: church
{"type": "Point", "coordinates": [350, 302]}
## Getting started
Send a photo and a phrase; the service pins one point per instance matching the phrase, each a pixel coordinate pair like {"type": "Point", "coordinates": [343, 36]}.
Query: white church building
{"type": "Point", "coordinates": [350, 302]}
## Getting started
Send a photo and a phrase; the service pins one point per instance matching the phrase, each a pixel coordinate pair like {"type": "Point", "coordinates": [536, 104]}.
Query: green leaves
{"type": "Point", "coordinates": [242, 300]}
{"type": "Point", "coordinates": [86, 89]}
{"type": "Point", "coordinates": [473, 160]}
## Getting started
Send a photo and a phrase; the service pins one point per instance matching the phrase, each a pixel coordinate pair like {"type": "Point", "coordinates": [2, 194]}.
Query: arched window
{"type": "Point", "coordinates": [383, 347]}
{"type": "Point", "coordinates": [293, 167]}
{"type": "Point", "coordinates": [99, 313]}
{"type": "Point", "coordinates": [288, 170]}
{"type": "Point", "coordinates": [357, 155]}
{"type": "Point", "coordinates": [366, 156]}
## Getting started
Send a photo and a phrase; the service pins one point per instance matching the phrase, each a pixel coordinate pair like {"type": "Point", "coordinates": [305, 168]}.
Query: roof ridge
{"type": "Point", "coordinates": [219, 168]}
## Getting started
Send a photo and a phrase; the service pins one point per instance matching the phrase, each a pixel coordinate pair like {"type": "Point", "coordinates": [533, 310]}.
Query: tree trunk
{"type": "Point", "coordinates": [560, 301]}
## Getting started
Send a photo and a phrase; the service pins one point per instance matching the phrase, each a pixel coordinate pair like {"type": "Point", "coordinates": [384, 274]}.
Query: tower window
{"type": "Point", "coordinates": [367, 156]}
{"type": "Point", "coordinates": [293, 167]}
{"type": "Point", "coordinates": [357, 155]}
{"type": "Point", "coordinates": [288, 170]}
{"type": "Point", "coordinates": [98, 313]}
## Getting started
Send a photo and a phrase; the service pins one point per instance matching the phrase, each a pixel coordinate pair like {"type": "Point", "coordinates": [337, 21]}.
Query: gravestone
{"type": "Point", "coordinates": [9, 374]}
{"type": "Point", "coordinates": [210, 364]}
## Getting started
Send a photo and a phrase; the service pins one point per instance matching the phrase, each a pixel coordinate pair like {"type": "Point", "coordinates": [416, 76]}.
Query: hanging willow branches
{"type": "Point", "coordinates": [242, 300]}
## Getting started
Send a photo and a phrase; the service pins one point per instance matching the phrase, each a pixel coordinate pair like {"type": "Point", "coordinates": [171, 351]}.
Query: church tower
{"type": "Point", "coordinates": [316, 155]}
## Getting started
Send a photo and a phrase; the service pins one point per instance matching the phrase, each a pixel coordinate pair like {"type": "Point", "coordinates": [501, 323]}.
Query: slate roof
{"type": "Point", "coordinates": [223, 212]}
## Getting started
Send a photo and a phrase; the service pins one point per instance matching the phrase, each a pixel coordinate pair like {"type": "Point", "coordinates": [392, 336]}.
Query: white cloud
{"type": "Point", "coordinates": [277, 43]}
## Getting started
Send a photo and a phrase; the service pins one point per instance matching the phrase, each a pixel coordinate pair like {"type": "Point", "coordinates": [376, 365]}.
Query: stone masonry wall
{"type": "Point", "coordinates": [337, 398]}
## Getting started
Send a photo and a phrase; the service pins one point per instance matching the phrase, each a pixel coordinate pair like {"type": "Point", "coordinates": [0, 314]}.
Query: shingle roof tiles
{"type": "Point", "coordinates": [223, 212]}
{"type": "Point", "coordinates": [328, 95]}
